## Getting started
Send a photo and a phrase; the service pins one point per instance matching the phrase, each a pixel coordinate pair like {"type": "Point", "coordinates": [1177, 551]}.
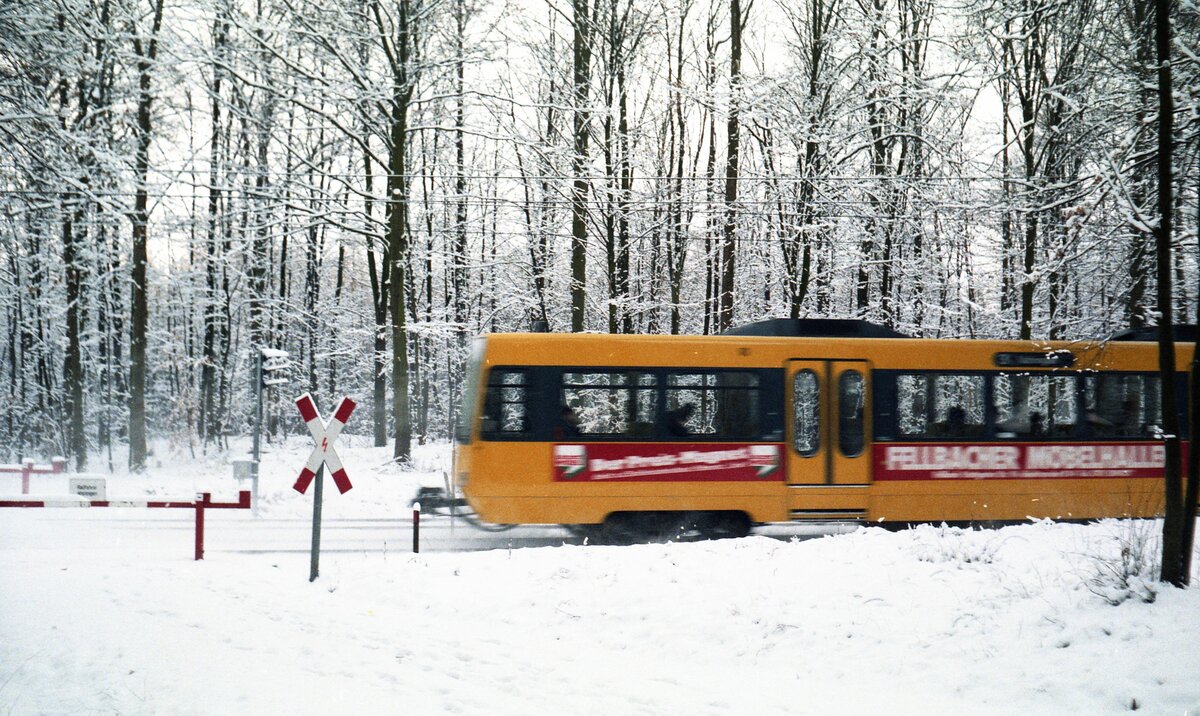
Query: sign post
{"type": "Point", "coordinates": [324, 435]}
{"type": "Point", "coordinates": [314, 556]}
{"type": "Point", "coordinates": [269, 370]}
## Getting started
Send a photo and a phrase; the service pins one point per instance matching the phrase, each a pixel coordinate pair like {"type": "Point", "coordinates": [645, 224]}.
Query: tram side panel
{"type": "Point", "coordinates": [573, 444]}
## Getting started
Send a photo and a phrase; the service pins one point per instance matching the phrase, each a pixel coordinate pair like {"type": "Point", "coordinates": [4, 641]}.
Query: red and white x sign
{"type": "Point", "coordinates": [325, 435]}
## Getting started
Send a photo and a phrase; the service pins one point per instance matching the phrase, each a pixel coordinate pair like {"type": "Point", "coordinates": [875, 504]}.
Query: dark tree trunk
{"type": "Point", "coordinates": [76, 442]}
{"type": "Point", "coordinates": [582, 54]}
{"type": "Point", "coordinates": [72, 220]}
{"type": "Point", "coordinates": [379, 311]}
{"type": "Point", "coordinates": [1141, 188]}
{"type": "Point", "coordinates": [147, 53]}
{"type": "Point", "coordinates": [732, 169]}
{"type": "Point", "coordinates": [397, 238]}
{"type": "Point", "coordinates": [677, 250]}
{"type": "Point", "coordinates": [459, 282]}
{"type": "Point", "coordinates": [1174, 544]}
{"type": "Point", "coordinates": [1029, 261]}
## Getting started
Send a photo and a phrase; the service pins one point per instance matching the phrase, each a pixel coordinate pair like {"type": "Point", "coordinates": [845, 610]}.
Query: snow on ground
{"type": "Point", "coordinates": [181, 471]}
{"type": "Point", "coordinates": [103, 611]}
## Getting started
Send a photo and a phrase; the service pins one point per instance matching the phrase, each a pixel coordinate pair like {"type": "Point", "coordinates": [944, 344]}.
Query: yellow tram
{"type": "Point", "coordinates": [819, 420]}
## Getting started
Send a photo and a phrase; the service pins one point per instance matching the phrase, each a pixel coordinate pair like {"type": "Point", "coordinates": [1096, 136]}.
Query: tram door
{"type": "Point", "coordinates": [830, 423]}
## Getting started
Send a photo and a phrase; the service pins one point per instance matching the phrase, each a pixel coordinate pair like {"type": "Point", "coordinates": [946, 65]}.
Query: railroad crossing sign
{"type": "Point", "coordinates": [325, 435]}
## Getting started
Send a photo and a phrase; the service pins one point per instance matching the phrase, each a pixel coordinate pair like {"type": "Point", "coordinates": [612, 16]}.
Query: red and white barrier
{"type": "Point", "coordinates": [57, 466]}
{"type": "Point", "coordinates": [202, 502]}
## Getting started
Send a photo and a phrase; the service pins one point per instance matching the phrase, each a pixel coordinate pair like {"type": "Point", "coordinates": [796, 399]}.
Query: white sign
{"type": "Point", "coordinates": [90, 487]}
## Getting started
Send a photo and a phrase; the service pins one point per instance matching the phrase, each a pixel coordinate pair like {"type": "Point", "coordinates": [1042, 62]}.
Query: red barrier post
{"type": "Point", "coordinates": [205, 499]}
{"type": "Point", "coordinates": [416, 527]}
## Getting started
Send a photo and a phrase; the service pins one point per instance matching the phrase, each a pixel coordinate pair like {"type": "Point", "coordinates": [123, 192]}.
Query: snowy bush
{"type": "Point", "coordinates": [954, 545]}
{"type": "Point", "coordinates": [1124, 561]}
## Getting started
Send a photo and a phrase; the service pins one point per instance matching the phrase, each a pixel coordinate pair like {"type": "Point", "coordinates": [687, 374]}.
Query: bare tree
{"type": "Point", "coordinates": [1176, 541]}
{"type": "Point", "coordinates": [737, 23]}
{"type": "Point", "coordinates": [146, 49]}
{"type": "Point", "coordinates": [581, 52]}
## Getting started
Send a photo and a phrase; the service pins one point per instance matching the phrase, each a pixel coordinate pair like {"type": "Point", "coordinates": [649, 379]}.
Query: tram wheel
{"type": "Point", "coordinates": [634, 527]}
{"type": "Point", "coordinates": [731, 524]}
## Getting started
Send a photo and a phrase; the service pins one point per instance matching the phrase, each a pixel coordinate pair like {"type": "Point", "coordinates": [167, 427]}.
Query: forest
{"type": "Point", "coordinates": [368, 184]}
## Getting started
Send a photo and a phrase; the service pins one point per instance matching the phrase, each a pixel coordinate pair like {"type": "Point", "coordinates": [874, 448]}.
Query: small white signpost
{"type": "Point", "coordinates": [324, 435]}
{"type": "Point", "coordinates": [270, 370]}
{"type": "Point", "coordinates": [93, 488]}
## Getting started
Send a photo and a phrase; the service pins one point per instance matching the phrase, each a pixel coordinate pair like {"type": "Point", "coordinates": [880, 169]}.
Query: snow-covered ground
{"type": "Point", "coordinates": [104, 611]}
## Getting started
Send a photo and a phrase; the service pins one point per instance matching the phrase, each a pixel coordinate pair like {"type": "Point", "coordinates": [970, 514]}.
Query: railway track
{"type": "Point", "coordinates": [148, 532]}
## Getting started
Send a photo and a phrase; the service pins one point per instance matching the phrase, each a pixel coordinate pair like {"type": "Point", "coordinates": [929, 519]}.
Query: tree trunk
{"type": "Point", "coordinates": [732, 157]}
{"type": "Point", "coordinates": [582, 53]}
{"type": "Point", "coordinates": [207, 422]}
{"type": "Point", "coordinates": [139, 316]}
{"type": "Point", "coordinates": [460, 278]}
{"type": "Point", "coordinates": [72, 219]}
{"type": "Point", "coordinates": [623, 202]}
{"type": "Point", "coordinates": [1174, 534]}
{"type": "Point", "coordinates": [397, 238]}
{"type": "Point", "coordinates": [1141, 189]}
{"type": "Point", "coordinates": [76, 442]}
{"type": "Point", "coordinates": [678, 245]}
{"type": "Point", "coordinates": [379, 312]}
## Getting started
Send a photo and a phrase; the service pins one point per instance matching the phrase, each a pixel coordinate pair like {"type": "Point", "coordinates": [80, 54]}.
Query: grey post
{"type": "Point", "coordinates": [258, 421]}
{"type": "Point", "coordinates": [316, 530]}
{"type": "Point", "coordinates": [270, 369]}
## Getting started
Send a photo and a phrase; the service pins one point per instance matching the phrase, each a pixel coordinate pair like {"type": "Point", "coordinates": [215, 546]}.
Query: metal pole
{"type": "Point", "coordinates": [258, 421]}
{"type": "Point", "coordinates": [258, 410]}
{"type": "Point", "coordinates": [316, 531]}
{"type": "Point", "coordinates": [452, 490]}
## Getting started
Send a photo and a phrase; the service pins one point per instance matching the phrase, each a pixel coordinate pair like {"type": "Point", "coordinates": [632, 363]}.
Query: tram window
{"type": "Point", "coordinates": [912, 394]}
{"type": "Point", "coordinates": [1034, 405]}
{"type": "Point", "coordinates": [611, 403]}
{"type": "Point", "coordinates": [806, 413]}
{"type": "Point", "coordinates": [1123, 405]}
{"type": "Point", "coordinates": [505, 410]}
{"type": "Point", "coordinates": [940, 405]}
{"type": "Point", "coordinates": [718, 404]}
{"type": "Point", "coordinates": [850, 413]}
{"type": "Point", "coordinates": [958, 410]}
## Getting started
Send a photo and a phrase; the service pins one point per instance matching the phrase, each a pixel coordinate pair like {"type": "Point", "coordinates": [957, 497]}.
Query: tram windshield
{"type": "Point", "coordinates": [470, 396]}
